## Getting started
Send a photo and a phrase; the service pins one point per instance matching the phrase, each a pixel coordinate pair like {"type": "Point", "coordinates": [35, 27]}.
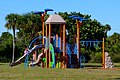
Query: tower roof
{"type": "Point", "coordinates": [55, 19]}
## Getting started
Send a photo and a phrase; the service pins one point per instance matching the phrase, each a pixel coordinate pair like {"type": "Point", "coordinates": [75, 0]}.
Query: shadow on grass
{"type": "Point", "coordinates": [116, 78]}
{"type": "Point", "coordinates": [93, 66]}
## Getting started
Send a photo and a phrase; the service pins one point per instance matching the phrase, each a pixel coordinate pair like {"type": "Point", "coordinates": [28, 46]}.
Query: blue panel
{"type": "Point", "coordinates": [73, 16]}
{"type": "Point", "coordinates": [59, 42]}
{"type": "Point", "coordinates": [75, 49]}
{"type": "Point", "coordinates": [40, 12]}
{"type": "Point", "coordinates": [68, 49]}
{"type": "Point", "coordinates": [48, 10]}
{"type": "Point", "coordinates": [78, 18]}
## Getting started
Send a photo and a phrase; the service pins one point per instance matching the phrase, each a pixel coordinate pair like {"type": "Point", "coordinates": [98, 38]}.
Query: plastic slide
{"type": "Point", "coordinates": [53, 55]}
{"type": "Point", "coordinates": [38, 60]}
{"type": "Point", "coordinates": [40, 55]}
{"type": "Point", "coordinates": [20, 60]}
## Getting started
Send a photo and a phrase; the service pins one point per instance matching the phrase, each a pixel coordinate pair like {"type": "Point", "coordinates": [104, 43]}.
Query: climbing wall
{"type": "Point", "coordinates": [108, 61]}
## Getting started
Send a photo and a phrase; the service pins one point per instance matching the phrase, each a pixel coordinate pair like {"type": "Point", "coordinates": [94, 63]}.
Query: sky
{"type": "Point", "coordinates": [105, 11]}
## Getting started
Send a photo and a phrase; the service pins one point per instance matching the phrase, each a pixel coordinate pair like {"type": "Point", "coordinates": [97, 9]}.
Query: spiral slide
{"type": "Point", "coordinates": [20, 60]}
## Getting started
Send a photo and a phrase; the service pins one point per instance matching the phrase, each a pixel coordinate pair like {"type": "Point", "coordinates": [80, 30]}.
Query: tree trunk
{"type": "Point", "coordinates": [13, 43]}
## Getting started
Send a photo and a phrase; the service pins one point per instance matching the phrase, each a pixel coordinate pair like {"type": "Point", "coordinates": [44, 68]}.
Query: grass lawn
{"type": "Point", "coordinates": [38, 73]}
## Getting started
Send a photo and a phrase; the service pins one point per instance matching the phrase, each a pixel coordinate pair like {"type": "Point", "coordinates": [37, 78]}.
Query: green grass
{"type": "Point", "coordinates": [38, 73]}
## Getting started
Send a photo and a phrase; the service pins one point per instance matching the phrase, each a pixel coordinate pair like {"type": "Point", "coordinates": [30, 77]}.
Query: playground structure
{"type": "Point", "coordinates": [55, 19]}
{"type": "Point", "coordinates": [60, 46]}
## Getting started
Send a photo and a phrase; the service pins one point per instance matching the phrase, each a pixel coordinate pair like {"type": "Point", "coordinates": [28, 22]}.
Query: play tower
{"type": "Point", "coordinates": [52, 20]}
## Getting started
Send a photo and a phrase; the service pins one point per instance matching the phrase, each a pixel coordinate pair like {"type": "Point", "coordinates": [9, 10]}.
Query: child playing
{"type": "Point", "coordinates": [26, 51]}
{"type": "Point", "coordinates": [34, 54]}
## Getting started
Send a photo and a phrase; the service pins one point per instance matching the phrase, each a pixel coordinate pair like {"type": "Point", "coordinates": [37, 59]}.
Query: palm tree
{"type": "Point", "coordinates": [11, 24]}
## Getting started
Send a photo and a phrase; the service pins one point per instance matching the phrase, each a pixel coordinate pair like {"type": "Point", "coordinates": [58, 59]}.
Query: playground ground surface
{"type": "Point", "coordinates": [93, 71]}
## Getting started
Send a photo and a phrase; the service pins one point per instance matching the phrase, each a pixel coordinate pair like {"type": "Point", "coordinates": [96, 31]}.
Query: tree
{"type": "Point", "coordinates": [5, 47]}
{"type": "Point", "coordinates": [90, 29]}
{"type": "Point", "coordinates": [112, 45]}
{"type": "Point", "coordinates": [29, 27]}
{"type": "Point", "coordinates": [107, 27]}
{"type": "Point", "coordinates": [11, 24]}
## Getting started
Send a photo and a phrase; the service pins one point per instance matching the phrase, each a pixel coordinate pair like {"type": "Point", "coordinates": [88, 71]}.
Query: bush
{"type": "Point", "coordinates": [116, 58]}
{"type": "Point", "coordinates": [96, 57]}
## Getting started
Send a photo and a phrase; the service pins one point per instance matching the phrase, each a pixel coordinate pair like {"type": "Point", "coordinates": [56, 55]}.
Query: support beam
{"type": "Point", "coordinates": [43, 31]}
{"type": "Point", "coordinates": [103, 54]}
{"type": "Point", "coordinates": [49, 43]}
{"type": "Point", "coordinates": [64, 40]}
{"type": "Point", "coordinates": [78, 37]}
{"type": "Point", "coordinates": [64, 47]}
{"type": "Point", "coordinates": [61, 39]}
{"type": "Point", "coordinates": [56, 40]}
{"type": "Point", "coordinates": [60, 43]}
{"type": "Point", "coordinates": [61, 36]}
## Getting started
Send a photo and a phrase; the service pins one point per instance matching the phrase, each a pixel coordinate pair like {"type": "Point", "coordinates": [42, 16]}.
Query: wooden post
{"type": "Point", "coordinates": [46, 45]}
{"type": "Point", "coordinates": [49, 43]}
{"type": "Point", "coordinates": [64, 47]}
{"type": "Point", "coordinates": [60, 43]}
{"type": "Point", "coordinates": [78, 36]}
{"type": "Point", "coordinates": [43, 31]}
{"type": "Point", "coordinates": [61, 36]}
{"type": "Point", "coordinates": [56, 40]}
{"type": "Point", "coordinates": [103, 54]}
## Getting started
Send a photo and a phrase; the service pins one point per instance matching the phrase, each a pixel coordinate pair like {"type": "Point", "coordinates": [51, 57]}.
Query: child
{"type": "Point", "coordinates": [34, 54]}
{"type": "Point", "coordinates": [26, 51]}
